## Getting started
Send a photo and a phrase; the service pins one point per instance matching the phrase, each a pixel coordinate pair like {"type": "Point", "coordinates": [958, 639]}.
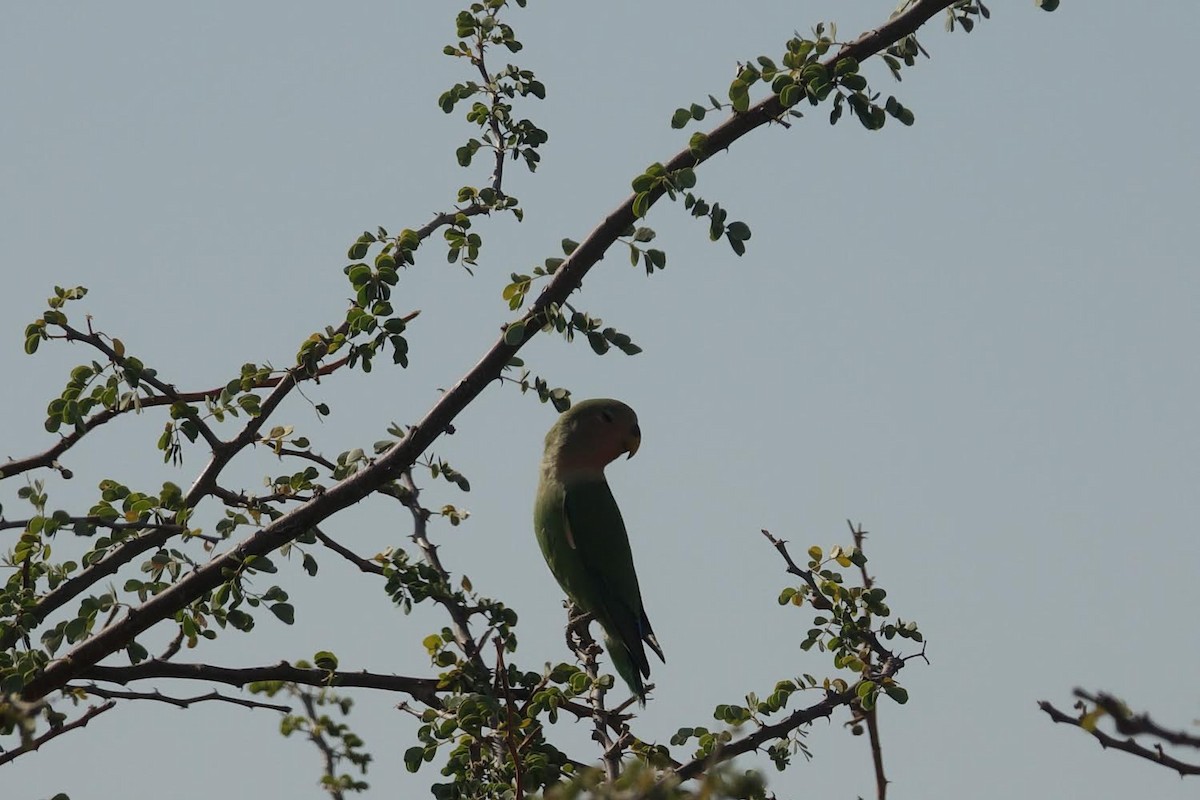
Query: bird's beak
{"type": "Point", "coordinates": [633, 442]}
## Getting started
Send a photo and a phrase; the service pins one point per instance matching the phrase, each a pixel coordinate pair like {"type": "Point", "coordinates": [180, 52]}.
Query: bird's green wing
{"type": "Point", "coordinates": [596, 532]}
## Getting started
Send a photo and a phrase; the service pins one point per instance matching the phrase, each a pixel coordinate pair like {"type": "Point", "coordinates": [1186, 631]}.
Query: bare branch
{"type": "Point", "coordinates": [181, 702]}
{"type": "Point", "coordinates": [306, 455]}
{"type": "Point", "coordinates": [423, 689]}
{"type": "Point", "coordinates": [355, 559]}
{"type": "Point", "coordinates": [88, 716]}
{"type": "Point", "coordinates": [1131, 726]}
{"type": "Point", "coordinates": [173, 646]}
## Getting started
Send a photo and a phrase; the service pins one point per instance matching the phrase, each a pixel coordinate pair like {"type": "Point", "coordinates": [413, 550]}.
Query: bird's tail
{"type": "Point", "coordinates": [625, 666]}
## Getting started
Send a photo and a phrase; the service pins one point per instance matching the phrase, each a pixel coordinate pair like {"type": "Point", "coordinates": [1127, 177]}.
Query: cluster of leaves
{"type": "Point", "coordinates": [39, 330]}
{"type": "Point", "coordinates": [557, 396]}
{"type": "Point", "coordinates": [570, 322]}
{"type": "Point", "coordinates": [335, 740]}
{"type": "Point", "coordinates": [500, 133]}
{"type": "Point", "coordinates": [846, 626]}
{"type": "Point", "coordinates": [472, 728]}
{"type": "Point", "coordinates": [656, 181]}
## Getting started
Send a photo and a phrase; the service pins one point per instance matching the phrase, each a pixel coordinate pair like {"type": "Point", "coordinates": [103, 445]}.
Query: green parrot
{"type": "Point", "coordinates": [582, 536]}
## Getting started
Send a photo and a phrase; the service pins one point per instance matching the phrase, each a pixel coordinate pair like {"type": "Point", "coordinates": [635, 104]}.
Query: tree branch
{"type": "Point", "coordinates": [459, 616]}
{"type": "Point", "coordinates": [348, 554]}
{"type": "Point", "coordinates": [102, 522]}
{"type": "Point", "coordinates": [328, 754]}
{"type": "Point", "coordinates": [205, 483]}
{"type": "Point", "coordinates": [766, 733]}
{"type": "Point", "coordinates": [180, 702]}
{"type": "Point", "coordinates": [422, 689]}
{"type": "Point", "coordinates": [870, 716]}
{"type": "Point", "coordinates": [47, 457]}
{"type": "Point", "coordinates": [510, 722]}
{"type": "Point", "coordinates": [88, 716]}
{"type": "Point", "coordinates": [1132, 724]}
{"type": "Point", "coordinates": [147, 377]}
{"type": "Point", "coordinates": [580, 640]}
{"type": "Point", "coordinates": [1128, 724]}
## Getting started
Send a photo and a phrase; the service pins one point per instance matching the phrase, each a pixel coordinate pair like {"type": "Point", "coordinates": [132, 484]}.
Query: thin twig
{"type": "Point", "coordinates": [579, 639]}
{"type": "Point", "coordinates": [1132, 724]}
{"type": "Point", "coordinates": [422, 689]}
{"type": "Point", "coordinates": [172, 647]}
{"type": "Point", "coordinates": [511, 721]}
{"type": "Point", "coordinates": [328, 754]}
{"type": "Point", "coordinates": [459, 616]}
{"type": "Point", "coordinates": [180, 702]}
{"type": "Point", "coordinates": [102, 522]}
{"type": "Point", "coordinates": [870, 716]}
{"type": "Point", "coordinates": [355, 559]}
{"type": "Point", "coordinates": [49, 456]}
{"type": "Point", "coordinates": [1156, 755]}
{"type": "Point", "coordinates": [88, 716]}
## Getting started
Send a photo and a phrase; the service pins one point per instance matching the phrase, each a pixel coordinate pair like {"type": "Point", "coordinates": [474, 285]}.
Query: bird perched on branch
{"type": "Point", "coordinates": [582, 535]}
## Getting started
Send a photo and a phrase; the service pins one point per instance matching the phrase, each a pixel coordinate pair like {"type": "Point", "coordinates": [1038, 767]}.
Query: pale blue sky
{"type": "Point", "coordinates": [976, 336]}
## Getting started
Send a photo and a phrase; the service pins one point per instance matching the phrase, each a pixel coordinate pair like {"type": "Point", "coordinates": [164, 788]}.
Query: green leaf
{"type": "Point", "coordinates": [285, 612]}
{"type": "Point", "coordinates": [262, 564]}
{"type": "Point", "coordinates": [854, 82]}
{"type": "Point", "coordinates": [791, 95]}
{"type": "Point", "coordinates": [136, 653]}
{"type": "Point", "coordinates": [738, 246]}
{"type": "Point", "coordinates": [641, 204]}
{"type": "Point", "coordinates": [739, 95]}
{"type": "Point", "coordinates": [514, 334]}
{"type": "Point", "coordinates": [738, 230]}
{"type": "Point", "coordinates": [846, 66]}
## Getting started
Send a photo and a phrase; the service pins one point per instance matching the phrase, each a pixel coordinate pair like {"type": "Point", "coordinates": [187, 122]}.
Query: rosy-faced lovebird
{"type": "Point", "coordinates": [582, 535]}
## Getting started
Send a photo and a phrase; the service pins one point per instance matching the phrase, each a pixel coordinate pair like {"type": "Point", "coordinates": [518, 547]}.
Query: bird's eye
{"type": "Point", "coordinates": [608, 417]}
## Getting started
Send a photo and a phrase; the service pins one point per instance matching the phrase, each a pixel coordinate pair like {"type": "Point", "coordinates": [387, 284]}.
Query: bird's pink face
{"type": "Point", "coordinates": [598, 433]}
